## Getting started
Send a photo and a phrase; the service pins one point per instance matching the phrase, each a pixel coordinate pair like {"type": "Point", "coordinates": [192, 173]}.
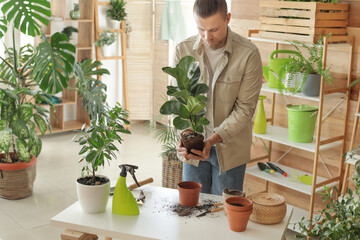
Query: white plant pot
{"type": "Point", "coordinates": [114, 24]}
{"type": "Point", "coordinates": [93, 198]}
{"type": "Point", "coordinates": [107, 51]}
{"type": "Point", "coordinates": [74, 39]}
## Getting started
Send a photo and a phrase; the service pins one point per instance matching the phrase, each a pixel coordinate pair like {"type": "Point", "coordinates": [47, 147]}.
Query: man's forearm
{"type": "Point", "coordinates": [214, 139]}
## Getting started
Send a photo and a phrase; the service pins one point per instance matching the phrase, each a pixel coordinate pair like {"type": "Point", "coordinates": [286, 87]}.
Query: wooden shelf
{"type": "Point", "coordinates": [281, 135]}
{"type": "Point", "coordinates": [78, 20]}
{"type": "Point", "coordinates": [113, 30]}
{"type": "Point", "coordinates": [279, 179]}
{"type": "Point", "coordinates": [336, 95]}
{"type": "Point", "coordinates": [110, 58]}
{"type": "Point", "coordinates": [357, 114]}
{"type": "Point", "coordinates": [64, 102]}
{"type": "Point", "coordinates": [68, 126]}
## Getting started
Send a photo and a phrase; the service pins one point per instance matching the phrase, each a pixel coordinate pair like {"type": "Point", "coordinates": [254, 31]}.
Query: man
{"type": "Point", "coordinates": [231, 66]}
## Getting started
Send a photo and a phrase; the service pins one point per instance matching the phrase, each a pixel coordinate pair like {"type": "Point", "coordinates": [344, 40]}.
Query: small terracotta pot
{"type": "Point", "coordinates": [238, 216]}
{"type": "Point", "coordinates": [189, 193]}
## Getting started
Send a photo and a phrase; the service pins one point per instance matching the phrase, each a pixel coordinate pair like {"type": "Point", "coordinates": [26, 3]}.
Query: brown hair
{"type": "Point", "coordinates": [207, 8]}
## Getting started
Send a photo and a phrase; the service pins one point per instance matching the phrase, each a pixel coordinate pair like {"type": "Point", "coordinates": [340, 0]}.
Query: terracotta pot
{"type": "Point", "coordinates": [238, 216]}
{"type": "Point", "coordinates": [189, 193]}
{"type": "Point", "coordinates": [17, 179]}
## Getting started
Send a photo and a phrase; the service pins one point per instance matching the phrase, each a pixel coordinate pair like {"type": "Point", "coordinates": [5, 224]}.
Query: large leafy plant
{"type": "Point", "coordinates": [340, 218]}
{"type": "Point", "coordinates": [187, 101]}
{"type": "Point", "coordinates": [27, 73]}
{"type": "Point", "coordinates": [98, 139]}
{"type": "Point", "coordinates": [313, 64]}
{"type": "Point", "coordinates": [117, 10]}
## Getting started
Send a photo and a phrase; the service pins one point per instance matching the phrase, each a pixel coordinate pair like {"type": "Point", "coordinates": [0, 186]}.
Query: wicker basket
{"type": "Point", "coordinates": [17, 184]}
{"type": "Point", "coordinates": [171, 173]}
{"type": "Point", "coordinates": [268, 208]}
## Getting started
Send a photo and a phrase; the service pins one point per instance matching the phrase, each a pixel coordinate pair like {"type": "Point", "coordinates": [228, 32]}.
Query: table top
{"type": "Point", "coordinates": [157, 220]}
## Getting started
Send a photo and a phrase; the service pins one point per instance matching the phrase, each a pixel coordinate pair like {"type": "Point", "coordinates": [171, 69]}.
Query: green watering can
{"type": "Point", "coordinates": [272, 73]}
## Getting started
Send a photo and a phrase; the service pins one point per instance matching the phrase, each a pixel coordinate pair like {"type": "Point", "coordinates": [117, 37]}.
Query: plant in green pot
{"type": "Point", "coordinates": [187, 103]}
{"type": "Point", "coordinates": [304, 73]}
{"type": "Point", "coordinates": [26, 74]}
{"type": "Point", "coordinates": [70, 33]}
{"type": "Point", "coordinates": [116, 13]}
{"type": "Point", "coordinates": [106, 39]}
{"type": "Point", "coordinates": [97, 147]}
{"type": "Point", "coordinates": [75, 13]}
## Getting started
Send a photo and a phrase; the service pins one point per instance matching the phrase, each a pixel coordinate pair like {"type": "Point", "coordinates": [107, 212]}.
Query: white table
{"type": "Point", "coordinates": [157, 221]}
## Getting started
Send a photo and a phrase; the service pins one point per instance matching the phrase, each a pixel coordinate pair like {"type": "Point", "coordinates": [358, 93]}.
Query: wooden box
{"type": "Point", "coordinates": [303, 21]}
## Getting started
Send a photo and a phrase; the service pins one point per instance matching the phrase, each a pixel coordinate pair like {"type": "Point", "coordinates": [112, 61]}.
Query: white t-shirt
{"type": "Point", "coordinates": [212, 58]}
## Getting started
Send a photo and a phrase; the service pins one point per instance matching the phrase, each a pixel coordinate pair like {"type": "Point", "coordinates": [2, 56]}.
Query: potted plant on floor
{"type": "Point", "coordinates": [116, 13]}
{"type": "Point", "coordinates": [70, 33]}
{"type": "Point", "coordinates": [171, 165]}
{"type": "Point", "coordinates": [23, 71]}
{"type": "Point", "coordinates": [97, 147]}
{"type": "Point", "coordinates": [187, 103]}
{"type": "Point", "coordinates": [106, 39]}
{"type": "Point", "coordinates": [340, 218]}
{"type": "Point", "coordinates": [304, 73]}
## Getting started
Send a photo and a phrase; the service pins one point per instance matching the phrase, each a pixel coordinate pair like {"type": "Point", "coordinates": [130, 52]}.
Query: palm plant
{"type": "Point", "coordinates": [117, 10]}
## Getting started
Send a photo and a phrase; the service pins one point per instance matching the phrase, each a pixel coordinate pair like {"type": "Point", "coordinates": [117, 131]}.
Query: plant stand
{"type": "Point", "coordinates": [171, 173]}
{"type": "Point", "coordinates": [303, 21]}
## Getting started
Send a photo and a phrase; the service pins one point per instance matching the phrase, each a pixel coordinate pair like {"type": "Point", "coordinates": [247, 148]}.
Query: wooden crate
{"type": "Point", "coordinates": [303, 21]}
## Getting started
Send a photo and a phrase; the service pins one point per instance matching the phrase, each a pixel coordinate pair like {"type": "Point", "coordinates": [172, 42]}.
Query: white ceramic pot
{"type": "Point", "coordinates": [107, 51]}
{"type": "Point", "coordinates": [93, 198]}
{"type": "Point", "coordinates": [114, 24]}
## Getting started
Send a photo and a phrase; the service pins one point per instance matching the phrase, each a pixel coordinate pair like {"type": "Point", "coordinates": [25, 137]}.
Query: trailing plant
{"type": "Point", "coordinates": [306, 65]}
{"type": "Point", "coordinates": [22, 70]}
{"type": "Point", "coordinates": [98, 139]}
{"type": "Point", "coordinates": [187, 101]}
{"type": "Point", "coordinates": [106, 38]}
{"type": "Point", "coordinates": [341, 217]}
{"type": "Point", "coordinates": [117, 10]}
{"type": "Point", "coordinates": [68, 31]}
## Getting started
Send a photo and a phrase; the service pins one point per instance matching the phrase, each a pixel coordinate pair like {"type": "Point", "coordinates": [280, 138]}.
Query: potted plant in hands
{"type": "Point", "coordinates": [98, 146]}
{"type": "Point", "coordinates": [106, 39]}
{"type": "Point", "coordinates": [21, 71]}
{"type": "Point", "coordinates": [116, 13]}
{"type": "Point", "coordinates": [187, 103]}
{"type": "Point", "coordinates": [69, 32]}
{"type": "Point", "coordinates": [340, 218]}
{"type": "Point", "coordinates": [304, 73]}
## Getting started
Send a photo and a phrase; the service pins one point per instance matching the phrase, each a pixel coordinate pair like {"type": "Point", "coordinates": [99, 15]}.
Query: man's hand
{"type": "Point", "coordinates": [205, 153]}
{"type": "Point", "coordinates": [181, 151]}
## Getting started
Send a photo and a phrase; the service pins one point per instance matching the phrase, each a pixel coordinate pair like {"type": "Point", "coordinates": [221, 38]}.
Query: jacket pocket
{"type": "Point", "coordinates": [227, 89]}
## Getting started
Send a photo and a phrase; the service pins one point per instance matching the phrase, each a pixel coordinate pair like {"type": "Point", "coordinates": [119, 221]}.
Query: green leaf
{"type": "Point", "coordinates": [172, 89]}
{"type": "Point", "coordinates": [200, 88]}
{"type": "Point", "coordinates": [8, 111]}
{"type": "Point", "coordinates": [195, 105]}
{"type": "Point", "coordinates": [22, 150]}
{"type": "Point", "coordinates": [204, 121]}
{"type": "Point", "coordinates": [328, 216]}
{"type": "Point", "coordinates": [26, 111]}
{"type": "Point", "coordinates": [27, 14]}
{"type": "Point", "coordinates": [170, 107]}
{"type": "Point", "coordinates": [184, 94]}
{"type": "Point", "coordinates": [37, 144]}
{"type": "Point", "coordinates": [5, 139]}
{"type": "Point", "coordinates": [3, 26]}
{"type": "Point", "coordinates": [181, 123]}
{"type": "Point", "coordinates": [40, 122]}
{"type": "Point", "coordinates": [54, 63]}
{"type": "Point", "coordinates": [2, 124]}
{"type": "Point", "coordinates": [19, 128]}
{"type": "Point", "coordinates": [202, 98]}
{"type": "Point", "coordinates": [180, 75]}
{"type": "Point", "coordinates": [183, 112]}
{"type": "Point", "coordinates": [199, 128]}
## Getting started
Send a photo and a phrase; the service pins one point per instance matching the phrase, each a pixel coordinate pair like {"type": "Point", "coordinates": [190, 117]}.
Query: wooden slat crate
{"type": "Point", "coordinates": [302, 21]}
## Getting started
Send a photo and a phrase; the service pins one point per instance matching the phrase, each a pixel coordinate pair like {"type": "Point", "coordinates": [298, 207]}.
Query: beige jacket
{"type": "Point", "coordinates": [236, 91]}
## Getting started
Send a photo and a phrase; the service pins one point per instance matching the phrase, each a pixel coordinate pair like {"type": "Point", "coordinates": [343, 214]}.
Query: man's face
{"type": "Point", "coordinates": [213, 29]}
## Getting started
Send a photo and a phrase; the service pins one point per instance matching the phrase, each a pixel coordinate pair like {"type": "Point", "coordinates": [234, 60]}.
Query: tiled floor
{"type": "Point", "coordinates": [54, 188]}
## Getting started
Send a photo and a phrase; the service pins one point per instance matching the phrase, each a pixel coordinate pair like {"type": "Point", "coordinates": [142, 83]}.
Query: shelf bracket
{"type": "Point", "coordinates": [326, 168]}
{"type": "Point", "coordinates": [333, 109]}
{"type": "Point", "coordinates": [285, 154]}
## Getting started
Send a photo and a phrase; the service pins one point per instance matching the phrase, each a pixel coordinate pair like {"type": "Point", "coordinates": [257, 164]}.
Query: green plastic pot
{"type": "Point", "coordinates": [301, 122]}
{"type": "Point", "coordinates": [272, 73]}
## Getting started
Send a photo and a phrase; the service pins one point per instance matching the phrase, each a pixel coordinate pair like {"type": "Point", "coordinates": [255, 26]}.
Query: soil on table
{"type": "Point", "coordinates": [88, 180]}
{"type": "Point", "coordinates": [192, 140]}
{"type": "Point", "coordinates": [192, 211]}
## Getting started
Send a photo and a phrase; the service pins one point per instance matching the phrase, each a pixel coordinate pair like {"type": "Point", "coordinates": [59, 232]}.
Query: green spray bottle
{"type": "Point", "coordinates": [124, 202]}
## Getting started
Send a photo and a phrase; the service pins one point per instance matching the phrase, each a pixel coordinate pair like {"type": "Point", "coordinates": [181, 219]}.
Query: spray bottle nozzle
{"type": "Point", "coordinates": [129, 168]}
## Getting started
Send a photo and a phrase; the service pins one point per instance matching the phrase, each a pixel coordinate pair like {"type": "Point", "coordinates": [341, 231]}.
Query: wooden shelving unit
{"type": "Point", "coordinates": [84, 48]}
{"type": "Point", "coordinates": [277, 134]}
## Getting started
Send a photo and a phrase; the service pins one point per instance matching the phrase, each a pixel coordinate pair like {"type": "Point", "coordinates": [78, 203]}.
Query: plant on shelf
{"type": "Point", "coordinates": [304, 73]}
{"type": "Point", "coordinates": [340, 218]}
{"type": "Point", "coordinates": [187, 102]}
{"type": "Point", "coordinates": [75, 13]}
{"type": "Point", "coordinates": [27, 73]}
{"type": "Point", "coordinates": [106, 39]}
{"type": "Point", "coordinates": [116, 12]}
{"type": "Point", "coordinates": [97, 147]}
{"type": "Point", "coordinates": [68, 31]}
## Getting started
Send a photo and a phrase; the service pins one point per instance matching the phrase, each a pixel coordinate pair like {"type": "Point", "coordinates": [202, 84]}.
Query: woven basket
{"type": "Point", "coordinates": [17, 184]}
{"type": "Point", "coordinates": [171, 172]}
{"type": "Point", "coordinates": [268, 208]}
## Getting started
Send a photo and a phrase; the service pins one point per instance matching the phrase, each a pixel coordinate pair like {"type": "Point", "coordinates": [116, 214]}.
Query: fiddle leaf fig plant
{"type": "Point", "coordinates": [187, 101]}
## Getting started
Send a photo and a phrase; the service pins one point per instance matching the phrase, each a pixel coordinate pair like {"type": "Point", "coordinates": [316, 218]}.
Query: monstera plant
{"type": "Point", "coordinates": [26, 73]}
